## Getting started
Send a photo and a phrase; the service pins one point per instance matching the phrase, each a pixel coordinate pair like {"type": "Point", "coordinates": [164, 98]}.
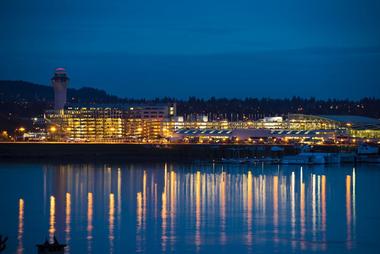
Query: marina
{"type": "Point", "coordinates": [363, 154]}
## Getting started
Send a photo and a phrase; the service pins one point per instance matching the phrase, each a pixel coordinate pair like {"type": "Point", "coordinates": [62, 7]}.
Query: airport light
{"type": "Point", "coordinates": [53, 129]}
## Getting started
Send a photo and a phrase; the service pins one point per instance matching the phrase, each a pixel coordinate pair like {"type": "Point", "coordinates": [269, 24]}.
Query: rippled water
{"type": "Point", "coordinates": [158, 207]}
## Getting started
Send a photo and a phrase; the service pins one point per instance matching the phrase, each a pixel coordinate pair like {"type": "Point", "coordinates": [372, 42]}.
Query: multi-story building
{"type": "Point", "coordinates": [86, 124]}
{"type": "Point", "coordinates": [109, 123]}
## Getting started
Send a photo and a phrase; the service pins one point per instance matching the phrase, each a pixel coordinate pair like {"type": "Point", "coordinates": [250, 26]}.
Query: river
{"type": "Point", "coordinates": [153, 207]}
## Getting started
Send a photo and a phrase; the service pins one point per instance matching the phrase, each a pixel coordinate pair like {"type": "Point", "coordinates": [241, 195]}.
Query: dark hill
{"type": "Point", "coordinates": [21, 91]}
{"type": "Point", "coordinates": [22, 100]}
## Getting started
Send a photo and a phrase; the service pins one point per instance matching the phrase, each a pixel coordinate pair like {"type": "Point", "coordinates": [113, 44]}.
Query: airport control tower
{"type": "Point", "coordinates": [60, 80]}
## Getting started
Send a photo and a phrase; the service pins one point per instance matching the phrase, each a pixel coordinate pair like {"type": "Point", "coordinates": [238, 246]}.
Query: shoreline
{"type": "Point", "coordinates": [33, 150]}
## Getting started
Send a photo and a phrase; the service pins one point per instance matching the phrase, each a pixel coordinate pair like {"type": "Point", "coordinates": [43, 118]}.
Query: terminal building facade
{"type": "Point", "coordinates": [147, 123]}
{"type": "Point", "coordinates": [313, 129]}
{"type": "Point", "coordinates": [109, 123]}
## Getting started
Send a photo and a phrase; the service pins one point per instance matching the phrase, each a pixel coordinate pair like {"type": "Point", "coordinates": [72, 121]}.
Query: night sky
{"type": "Point", "coordinates": [156, 48]}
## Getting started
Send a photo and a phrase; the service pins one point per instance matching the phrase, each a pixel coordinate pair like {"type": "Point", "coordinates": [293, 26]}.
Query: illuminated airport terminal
{"type": "Point", "coordinates": [109, 122]}
{"type": "Point", "coordinates": [160, 123]}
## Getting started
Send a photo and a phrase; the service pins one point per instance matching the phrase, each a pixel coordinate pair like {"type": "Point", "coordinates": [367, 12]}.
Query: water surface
{"type": "Point", "coordinates": [206, 208]}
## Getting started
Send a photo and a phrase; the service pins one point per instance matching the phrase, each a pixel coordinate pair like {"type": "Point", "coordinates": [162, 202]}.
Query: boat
{"type": "Point", "coordinates": [265, 160]}
{"type": "Point", "coordinates": [304, 159]}
{"type": "Point", "coordinates": [368, 154]}
{"type": "Point", "coordinates": [233, 160]}
{"type": "Point", "coordinates": [51, 248]}
{"type": "Point", "coordinates": [309, 158]}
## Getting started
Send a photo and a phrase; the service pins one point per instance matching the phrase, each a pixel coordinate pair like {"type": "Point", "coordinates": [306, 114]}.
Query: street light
{"type": "Point", "coordinates": [53, 129]}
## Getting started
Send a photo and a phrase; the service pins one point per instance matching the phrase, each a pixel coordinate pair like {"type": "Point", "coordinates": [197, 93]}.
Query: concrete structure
{"type": "Point", "coordinates": [60, 81]}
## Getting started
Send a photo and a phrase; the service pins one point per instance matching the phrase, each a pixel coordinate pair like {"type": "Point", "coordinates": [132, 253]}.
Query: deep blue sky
{"type": "Point", "coordinates": [149, 48]}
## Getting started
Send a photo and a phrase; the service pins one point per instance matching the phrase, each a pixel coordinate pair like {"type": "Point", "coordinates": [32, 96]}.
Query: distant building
{"type": "Point", "coordinates": [293, 128]}
{"type": "Point", "coordinates": [311, 122]}
{"type": "Point", "coordinates": [200, 122]}
{"type": "Point", "coordinates": [357, 126]}
{"type": "Point", "coordinates": [153, 122]}
{"type": "Point", "coordinates": [60, 81]}
{"type": "Point", "coordinates": [110, 123]}
{"type": "Point", "coordinates": [255, 135]}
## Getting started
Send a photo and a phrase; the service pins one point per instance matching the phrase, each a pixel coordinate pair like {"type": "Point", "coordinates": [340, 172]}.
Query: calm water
{"type": "Point", "coordinates": [158, 207]}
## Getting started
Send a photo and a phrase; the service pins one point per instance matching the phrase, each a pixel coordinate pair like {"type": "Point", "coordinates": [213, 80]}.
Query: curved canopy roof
{"type": "Point", "coordinates": [352, 119]}
{"type": "Point", "coordinates": [208, 132]}
{"type": "Point", "coordinates": [356, 122]}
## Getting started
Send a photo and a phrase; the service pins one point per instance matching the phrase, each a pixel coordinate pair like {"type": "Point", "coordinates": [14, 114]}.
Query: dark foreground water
{"type": "Point", "coordinates": [157, 207]}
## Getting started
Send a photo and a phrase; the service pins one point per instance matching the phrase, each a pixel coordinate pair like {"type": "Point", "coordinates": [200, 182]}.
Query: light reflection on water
{"type": "Point", "coordinates": [52, 219]}
{"type": "Point", "coordinates": [90, 214]}
{"type": "Point", "coordinates": [20, 232]}
{"type": "Point", "coordinates": [190, 208]}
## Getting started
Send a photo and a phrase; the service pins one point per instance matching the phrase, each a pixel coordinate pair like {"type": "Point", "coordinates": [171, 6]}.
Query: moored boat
{"type": "Point", "coordinates": [304, 159]}
{"type": "Point", "coordinates": [51, 248]}
{"type": "Point", "coordinates": [368, 154]}
{"type": "Point", "coordinates": [309, 158]}
{"type": "Point", "coordinates": [233, 160]}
